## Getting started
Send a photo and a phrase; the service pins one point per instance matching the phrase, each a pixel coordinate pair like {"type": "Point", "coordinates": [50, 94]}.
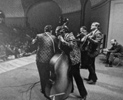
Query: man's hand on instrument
{"type": "Point", "coordinates": [33, 41]}
{"type": "Point", "coordinates": [61, 39]}
{"type": "Point", "coordinates": [89, 38]}
{"type": "Point", "coordinates": [84, 38]}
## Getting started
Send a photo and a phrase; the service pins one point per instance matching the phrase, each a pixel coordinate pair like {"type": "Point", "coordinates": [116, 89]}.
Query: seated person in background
{"type": "Point", "coordinates": [115, 51]}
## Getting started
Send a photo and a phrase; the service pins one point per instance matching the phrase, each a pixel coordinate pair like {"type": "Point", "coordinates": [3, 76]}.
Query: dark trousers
{"type": "Point", "coordinates": [110, 57]}
{"type": "Point", "coordinates": [84, 59]}
{"type": "Point", "coordinates": [107, 57]}
{"type": "Point", "coordinates": [75, 71]}
{"type": "Point", "coordinates": [91, 69]}
{"type": "Point", "coordinates": [44, 74]}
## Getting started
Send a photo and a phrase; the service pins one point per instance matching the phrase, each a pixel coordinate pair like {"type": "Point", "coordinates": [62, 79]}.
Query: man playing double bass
{"type": "Point", "coordinates": [70, 47]}
{"type": "Point", "coordinates": [94, 38]}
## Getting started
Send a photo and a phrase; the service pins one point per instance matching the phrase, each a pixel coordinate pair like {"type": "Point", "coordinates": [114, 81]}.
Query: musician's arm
{"type": "Point", "coordinates": [78, 36]}
{"type": "Point", "coordinates": [110, 49]}
{"type": "Point", "coordinates": [115, 49]}
{"type": "Point", "coordinates": [97, 39]}
{"type": "Point", "coordinates": [34, 41]}
{"type": "Point", "coordinates": [69, 44]}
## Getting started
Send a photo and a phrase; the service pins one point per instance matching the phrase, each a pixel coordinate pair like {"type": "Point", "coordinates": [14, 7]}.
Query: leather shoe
{"type": "Point", "coordinates": [83, 98]}
{"type": "Point", "coordinates": [80, 97]}
{"type": "Point", "coordinates": [48, 98]}
{"type": "Point", "coordinates": [108, 65]}
{"type": "Point", "coordinates": [91, 82]}
{"type": "Point", "coordinates": [86, 79]}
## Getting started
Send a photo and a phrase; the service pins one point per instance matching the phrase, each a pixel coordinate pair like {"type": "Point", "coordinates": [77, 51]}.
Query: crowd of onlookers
{"type": "Point", "coordinates": [17, 43]}
{"type": "Point", "coordinates": [15, 40]}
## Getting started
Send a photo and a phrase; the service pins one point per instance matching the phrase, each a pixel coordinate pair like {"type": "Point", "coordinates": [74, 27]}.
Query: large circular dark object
{"type": "Point", "coordinates": [42, 14]}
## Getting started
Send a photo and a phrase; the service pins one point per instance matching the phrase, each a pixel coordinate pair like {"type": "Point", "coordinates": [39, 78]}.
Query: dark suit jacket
{"type": "Point", "coordinates": [45, 47]}
{"type": "Point", "coordinates": [95, 42]}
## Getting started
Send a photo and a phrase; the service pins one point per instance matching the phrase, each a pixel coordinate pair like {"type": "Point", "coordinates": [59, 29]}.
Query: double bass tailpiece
{"type": "Point", "coordinates": [54, 95]}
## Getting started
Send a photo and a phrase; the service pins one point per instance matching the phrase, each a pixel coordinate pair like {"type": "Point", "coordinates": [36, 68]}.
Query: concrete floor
{"type": "Point", "coordinates": [18, 75]}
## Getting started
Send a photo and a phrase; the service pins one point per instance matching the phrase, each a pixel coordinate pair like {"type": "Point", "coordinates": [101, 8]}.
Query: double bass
{"type": "Point", "coordinates": [62, 86]}
{"type": "Point", "coordinates": [63, 83]}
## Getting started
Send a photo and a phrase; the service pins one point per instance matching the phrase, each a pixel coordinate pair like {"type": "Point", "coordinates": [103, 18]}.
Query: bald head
{"type": "Point", "coordinates": [95, 25]}
{"type": "Point", "coordinates": [113, 41]}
